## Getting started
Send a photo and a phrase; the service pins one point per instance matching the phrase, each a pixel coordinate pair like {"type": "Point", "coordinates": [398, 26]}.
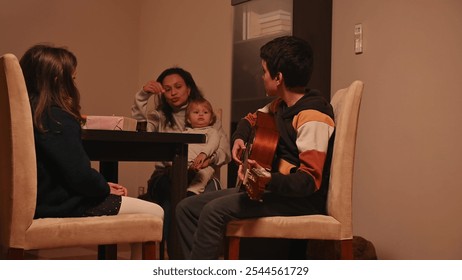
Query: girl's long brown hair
{"type": "Point", "coordinates": [49, 75]}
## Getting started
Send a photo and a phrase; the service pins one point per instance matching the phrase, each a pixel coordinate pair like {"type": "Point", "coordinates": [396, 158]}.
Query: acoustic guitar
{"type": "Point", "coordinates": [261, 148]}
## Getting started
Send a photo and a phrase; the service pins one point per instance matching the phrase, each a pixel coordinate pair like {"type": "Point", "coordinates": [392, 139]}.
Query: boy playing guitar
{"type": "Point", "coordinates": [289, 182]}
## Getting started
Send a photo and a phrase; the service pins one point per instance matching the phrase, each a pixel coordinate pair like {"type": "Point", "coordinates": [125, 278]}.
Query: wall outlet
{"type": "Point", "coordinates": [140, 190]}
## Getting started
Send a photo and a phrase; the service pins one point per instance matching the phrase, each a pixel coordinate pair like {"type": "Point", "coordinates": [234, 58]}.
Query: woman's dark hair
{"type": "Point", "coordinates": [291, 56]}
{"type": "Point", "coordinates": [190, 83]}
{"type": "Point", "coordinates": [48, 72]}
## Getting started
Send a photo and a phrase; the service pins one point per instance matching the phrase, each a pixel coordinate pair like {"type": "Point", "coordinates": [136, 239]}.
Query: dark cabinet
{"type": "Point", "coordinates": [312, 21]}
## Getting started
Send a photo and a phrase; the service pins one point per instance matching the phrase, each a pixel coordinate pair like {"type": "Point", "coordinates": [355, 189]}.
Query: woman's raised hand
{"type": "Point", "coordinates": [153, 87]}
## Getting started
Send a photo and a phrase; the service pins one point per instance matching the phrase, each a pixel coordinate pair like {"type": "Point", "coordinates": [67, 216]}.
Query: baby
{"type": "Point", "coordinates": [199, 119]}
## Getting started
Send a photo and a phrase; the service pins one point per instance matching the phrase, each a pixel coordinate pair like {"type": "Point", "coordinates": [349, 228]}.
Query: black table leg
{"type": "Point", "coordinates": [179, 183]}
{"type": "Point", "coordinates": [110, 170]}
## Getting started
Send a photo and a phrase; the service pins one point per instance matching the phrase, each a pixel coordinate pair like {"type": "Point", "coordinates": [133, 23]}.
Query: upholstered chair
{"type": "Point", "coordinates": [18, 190]}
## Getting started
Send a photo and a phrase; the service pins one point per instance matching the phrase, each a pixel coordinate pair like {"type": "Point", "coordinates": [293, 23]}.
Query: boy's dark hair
{"type": "Point", "coordinates": [291, 56]}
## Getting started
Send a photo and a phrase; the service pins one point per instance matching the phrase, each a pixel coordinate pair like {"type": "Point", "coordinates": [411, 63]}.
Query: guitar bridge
{"type": "Point", "coordinates": [261, 172]}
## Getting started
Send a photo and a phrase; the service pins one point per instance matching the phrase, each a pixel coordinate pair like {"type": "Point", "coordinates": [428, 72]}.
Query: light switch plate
{"type": "Point", "coordinates": [358, 38]}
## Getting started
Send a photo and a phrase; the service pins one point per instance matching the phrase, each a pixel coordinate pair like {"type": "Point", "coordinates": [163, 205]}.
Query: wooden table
{"type": "Point", "coordinates": [111, 146]}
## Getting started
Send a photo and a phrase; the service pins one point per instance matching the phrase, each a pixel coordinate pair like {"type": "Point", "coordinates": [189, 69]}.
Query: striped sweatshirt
{"type": "Point", "coordinates": [306, 131]}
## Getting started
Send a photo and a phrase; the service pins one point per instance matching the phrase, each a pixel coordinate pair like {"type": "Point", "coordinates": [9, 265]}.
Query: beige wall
{"type": "Point", "coordinates": [103, 34]}
{"type": "Point", "coordinates": [407, 182]}
{"type": "Point", "coordinates": [407, 196]}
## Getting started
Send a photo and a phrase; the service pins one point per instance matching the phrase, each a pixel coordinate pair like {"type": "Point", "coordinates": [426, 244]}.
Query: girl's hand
{"type": "Point", "coordinates": [117, 189]}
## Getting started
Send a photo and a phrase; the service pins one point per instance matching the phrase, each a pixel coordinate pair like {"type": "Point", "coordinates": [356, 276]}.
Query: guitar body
{"type": "Point", "coordinates": [261, 149]}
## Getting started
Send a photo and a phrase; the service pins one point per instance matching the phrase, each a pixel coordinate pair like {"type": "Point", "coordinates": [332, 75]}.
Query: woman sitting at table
{"type": "Point", "coordinates": [67, 185]}
{"type": "Point", "coordinates": [171, 93]}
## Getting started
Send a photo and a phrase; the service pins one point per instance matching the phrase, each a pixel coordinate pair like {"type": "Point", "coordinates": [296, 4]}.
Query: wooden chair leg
{"type": "Point", "coordinates": [149, 250]}
{"type": "Point", "coordinates": [162, 249]}
{"type": "Point", "coordinates": [107, 252]}
{"type": "Point", "coordinates": [346, 249]}
{"type": "Point", "coordinates": [232, 252]}
{"type": "Point", "coordinates": [14, 254]}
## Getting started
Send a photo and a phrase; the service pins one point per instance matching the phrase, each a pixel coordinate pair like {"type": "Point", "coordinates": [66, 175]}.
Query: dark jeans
{"type": "Point", "coordinates": [202, 219]}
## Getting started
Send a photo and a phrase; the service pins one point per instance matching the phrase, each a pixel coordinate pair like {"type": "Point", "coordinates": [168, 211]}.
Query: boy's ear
{"type": "Point", "coordinates": [279, 76]}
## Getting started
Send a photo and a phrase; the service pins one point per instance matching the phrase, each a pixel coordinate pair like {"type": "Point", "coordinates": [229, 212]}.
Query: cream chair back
{"type": "Point", "coordinates": [218, 112]}
{"type": "Point", "coordinates": [346, 103]}
{"type": "Point", "coordinates": [17, 161]}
